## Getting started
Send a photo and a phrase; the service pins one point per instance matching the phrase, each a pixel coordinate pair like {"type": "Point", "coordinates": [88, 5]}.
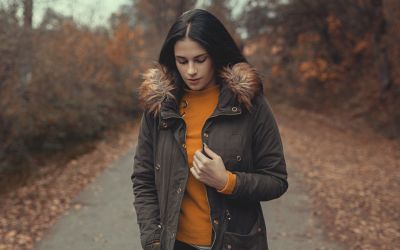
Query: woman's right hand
{"type": "Point", "coordinates": [209, 170]}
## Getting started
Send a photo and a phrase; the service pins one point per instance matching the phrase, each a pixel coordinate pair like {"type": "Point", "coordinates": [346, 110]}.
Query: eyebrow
{"type": "Point", "coordinates": [182, 57]}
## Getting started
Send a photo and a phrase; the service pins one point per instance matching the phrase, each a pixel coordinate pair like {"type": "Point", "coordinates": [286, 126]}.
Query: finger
{"type": "Point", "coordinates": [194, 173]}
{"type": "Point", "coordinates": [210, 153]}
{"type": "Point", "coordinates": [200, 156]}
{"type": "Point", "coordinates": [196, 164]}
{"type": "Point", "coordinates": [199, 167]}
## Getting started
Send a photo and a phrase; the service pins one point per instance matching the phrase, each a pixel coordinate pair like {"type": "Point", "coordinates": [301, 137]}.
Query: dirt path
{"type": "Point", "coordinates": [291, 222]}
{"type": "Point", "coordinates": [102, 216]}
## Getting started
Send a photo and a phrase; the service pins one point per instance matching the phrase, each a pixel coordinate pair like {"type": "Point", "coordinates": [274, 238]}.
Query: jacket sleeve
{"type": "Point", "coordinates": [146, 201]}
{"type": "Point", "coordinates": [268, 178]}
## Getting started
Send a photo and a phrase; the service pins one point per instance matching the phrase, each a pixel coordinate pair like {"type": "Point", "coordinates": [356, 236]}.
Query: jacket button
{"type": "Point", "coordinates": [184, 104]}
{"type": "Point", "coordinates": [234, 109]}
{"type": "Point", "coordinates": [238, 158]}
{"type": "Point", "coordinates": [215, 221]}
{"type": "Point", "coordinates": [158, 166]}
{"type": "Point", "coordinates": [184, 145]}
{"type": "Point", "coordinates": [205, 135]}
{"type": "Point", "coordinates": [179, 190]}
{"type": "Point", "coordinates": [164, 124]}
{"type": "Point", "coordinates": [229, 246]}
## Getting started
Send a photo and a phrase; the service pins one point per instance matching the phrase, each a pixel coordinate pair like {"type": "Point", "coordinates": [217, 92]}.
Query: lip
{"type": "Point", "coordinates": [193, 80]}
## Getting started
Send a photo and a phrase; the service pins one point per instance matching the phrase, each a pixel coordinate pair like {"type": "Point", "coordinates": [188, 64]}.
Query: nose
{"type": "Point", "coordinates": [191, 69]}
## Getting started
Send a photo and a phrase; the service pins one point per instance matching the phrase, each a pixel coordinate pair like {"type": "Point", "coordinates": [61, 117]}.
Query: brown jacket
{"type": "Point", "coordinates": [242, 130]}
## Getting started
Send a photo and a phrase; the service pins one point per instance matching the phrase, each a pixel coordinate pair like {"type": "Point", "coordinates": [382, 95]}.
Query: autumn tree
{"type": "Point", "coordinates": [156, 16]}
{"type": "Point", "coordinates": [328, 53]}
{"type": "Point", "coordinates": [223, 11]}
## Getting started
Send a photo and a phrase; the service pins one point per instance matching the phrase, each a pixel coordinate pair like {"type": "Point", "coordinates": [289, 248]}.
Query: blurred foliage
{"type": "Point", "coordinates": [80, 81]}
{"type": "Point", "coordinates": [330, 55]}
{"type": "Point", "coordinates": [156, 17]}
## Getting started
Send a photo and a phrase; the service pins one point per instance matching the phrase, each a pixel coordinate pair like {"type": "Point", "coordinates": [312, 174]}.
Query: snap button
{"type": "Point", "coordinates": [238, 158]}
{"type": "Point", "coordinates": [164, 124]}
{"type": "Point", "coordinates": [205, 135]}
{"type": "Point", "coordinates": [215, 221]}
{"type": "Point", "coordinates": [184, 104]}
{"type": "Point", "coordinates": [229, 246]}
{"type": "Point", "coordinates": [234, 109]}
{"type": "Point", "coordinates": [179, 190]}
{"type": "Point", "coordinates": [158, 166]}
{"type": "Point", "coordinates": [227, 214]}
{"type": "Point", "coordinates": [184, 145]}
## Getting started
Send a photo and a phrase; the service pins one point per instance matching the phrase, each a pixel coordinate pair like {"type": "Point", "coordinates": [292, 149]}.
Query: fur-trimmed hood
{"type": "Point", "coordinates": [241, 79]}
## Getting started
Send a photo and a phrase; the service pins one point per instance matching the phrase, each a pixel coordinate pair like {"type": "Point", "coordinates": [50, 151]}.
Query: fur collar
{"type": "Point", "coordinates": [242, 79]}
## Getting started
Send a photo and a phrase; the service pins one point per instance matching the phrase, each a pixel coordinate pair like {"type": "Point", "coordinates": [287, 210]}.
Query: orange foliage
{"type": "Point", "coordinates": [118, 48]}
{"type": "Point", "coordinates": [82, 84]}
{"type": "Point", "coordinates": [360, 47]}
{"type": "Point", "coordinates": [314, 69]}
{"type": "Point", "coordinates": [334, 23]}
{"type": "Point", "coordinates": [276, 70]}
{"type": "Point", "coordinates": [304, 38]}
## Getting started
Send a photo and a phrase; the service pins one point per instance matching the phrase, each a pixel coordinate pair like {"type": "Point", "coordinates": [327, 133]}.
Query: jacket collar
{"type": "Point", "coordinates": [240, 83]}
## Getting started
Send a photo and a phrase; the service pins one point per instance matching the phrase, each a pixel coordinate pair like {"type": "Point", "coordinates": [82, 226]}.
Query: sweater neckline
{"type": "Point", "coordinates": [200, 93]}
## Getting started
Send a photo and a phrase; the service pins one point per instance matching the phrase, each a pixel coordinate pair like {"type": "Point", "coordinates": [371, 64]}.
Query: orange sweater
{"type": "Point", "coordinates": [194, 221]}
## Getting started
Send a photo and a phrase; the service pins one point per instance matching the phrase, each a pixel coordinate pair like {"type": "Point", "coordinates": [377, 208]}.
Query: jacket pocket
{"type": "Point", "coordinates": [154, 246]}
{"type": "Point", "coordinates": [233, 153]}
{"type": "Point", "coordinates": [233, 162]}
{"type": "Point", "coordinates": [256, 239]}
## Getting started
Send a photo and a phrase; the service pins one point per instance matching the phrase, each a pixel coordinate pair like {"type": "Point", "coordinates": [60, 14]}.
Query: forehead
{"type": "Point", "coordinates": [188, 48]}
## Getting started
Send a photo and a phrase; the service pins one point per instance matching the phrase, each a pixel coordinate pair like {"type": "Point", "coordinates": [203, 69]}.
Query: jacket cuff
{"type": "Point", "coordinates": [230, 184]}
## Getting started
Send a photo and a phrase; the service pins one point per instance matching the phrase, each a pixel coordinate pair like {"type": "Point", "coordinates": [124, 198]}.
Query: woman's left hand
{"type": "Point", "coordinates": [212, 171]}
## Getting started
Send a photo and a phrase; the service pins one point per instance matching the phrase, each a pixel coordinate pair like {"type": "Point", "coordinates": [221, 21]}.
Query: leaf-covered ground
{"type": "Point", "coordinates": [352, 175]}
{"type": "Point", "coordinates": [29, 211]}
{"type": "Point", "coordinates": [350, 172]}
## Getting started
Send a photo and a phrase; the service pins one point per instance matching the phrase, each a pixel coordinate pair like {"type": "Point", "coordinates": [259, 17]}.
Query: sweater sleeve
{"type": "Point", "coordinates": [230, 184]}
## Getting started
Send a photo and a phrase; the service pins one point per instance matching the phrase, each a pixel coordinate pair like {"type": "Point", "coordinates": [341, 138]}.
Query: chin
{"type": "Point", "coordinates": [196, 87]}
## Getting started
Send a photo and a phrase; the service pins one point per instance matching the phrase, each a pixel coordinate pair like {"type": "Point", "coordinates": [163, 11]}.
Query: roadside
{"type": "Point", "coordinates": [30, 210]}
{"type": "Point", "coordinates": [351, 174]}
{"type": "Point", "coordinates": [102, 215]}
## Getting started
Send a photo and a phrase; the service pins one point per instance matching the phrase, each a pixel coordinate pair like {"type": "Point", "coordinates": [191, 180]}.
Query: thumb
{"type": "Point", "coordinates": [211, 153]}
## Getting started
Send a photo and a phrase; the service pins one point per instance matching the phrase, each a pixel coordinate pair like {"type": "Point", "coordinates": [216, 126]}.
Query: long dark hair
{"type": "Point", "coordinates": [209, 32]}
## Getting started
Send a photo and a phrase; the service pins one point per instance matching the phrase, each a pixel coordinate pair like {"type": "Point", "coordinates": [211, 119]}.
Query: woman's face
{"type": "Point", "coordinates": [194, 64]}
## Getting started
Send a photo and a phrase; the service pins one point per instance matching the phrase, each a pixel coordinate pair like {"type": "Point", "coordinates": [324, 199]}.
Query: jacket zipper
{"type": "Point", "coordinates": [208, 201]}
{"type": "Point", "coordinates": [212, 225]}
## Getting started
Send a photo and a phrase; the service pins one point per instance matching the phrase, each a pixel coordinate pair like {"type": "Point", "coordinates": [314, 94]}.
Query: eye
{"type": "Point", "coordinates": [201, 60]}
{"type": "Point", "coordinates": [182, 62]}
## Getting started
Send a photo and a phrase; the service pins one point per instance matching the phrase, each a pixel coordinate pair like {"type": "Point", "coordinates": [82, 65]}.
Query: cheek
{"type": "Point", "coordinates": [209, 70]}
{"type": "Point", "coordinates": [180, 69]}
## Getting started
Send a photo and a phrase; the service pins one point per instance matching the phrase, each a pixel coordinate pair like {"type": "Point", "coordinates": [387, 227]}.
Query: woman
{"type": "Point", "coordinates": [209, 149]}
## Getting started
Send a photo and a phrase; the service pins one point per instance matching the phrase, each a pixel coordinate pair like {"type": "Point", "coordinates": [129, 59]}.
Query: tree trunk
{"type": "Point", "coordinates": [26, 45]}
